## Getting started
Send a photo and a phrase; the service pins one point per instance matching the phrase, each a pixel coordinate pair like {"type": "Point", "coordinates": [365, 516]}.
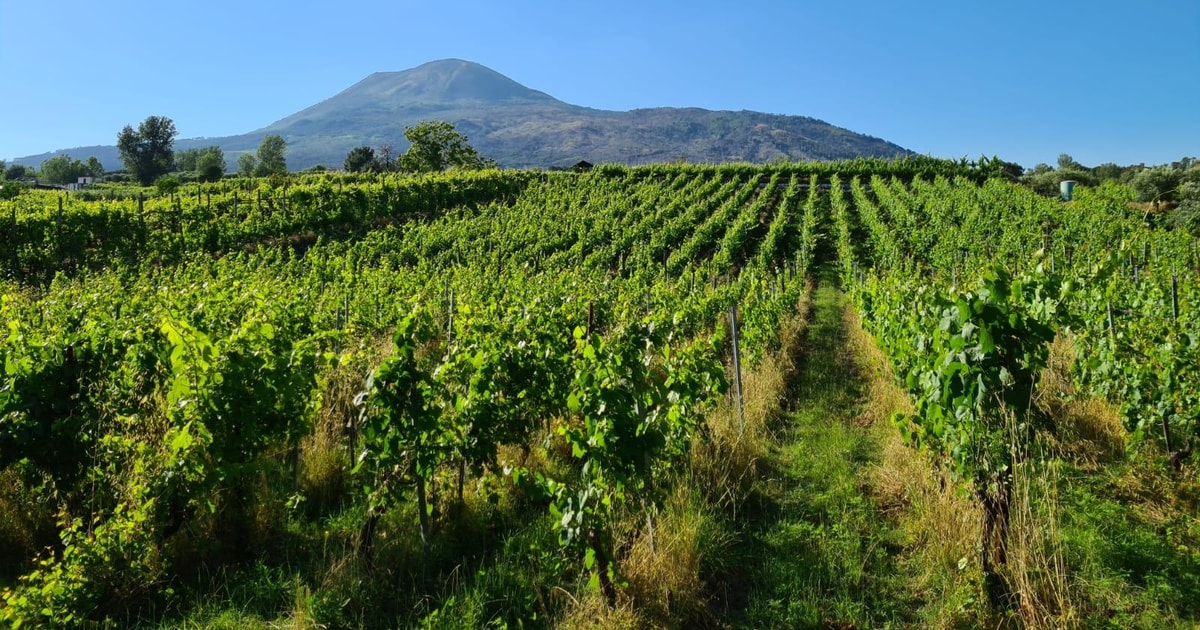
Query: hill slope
{"type": "Point", "coordinates": [521, 127]}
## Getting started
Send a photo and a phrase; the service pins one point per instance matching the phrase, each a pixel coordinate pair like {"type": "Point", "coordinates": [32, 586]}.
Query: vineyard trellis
{"type": "Point", "coordinates": [190, 339]}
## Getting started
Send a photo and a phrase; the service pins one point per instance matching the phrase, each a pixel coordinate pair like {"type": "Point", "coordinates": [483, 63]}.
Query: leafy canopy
{"type": "Point", "coordinates": [147, 151]}
{"type": "Point", "coordinates": [437, 146]}
{"type": "Point", "coordinates": [271, 159]}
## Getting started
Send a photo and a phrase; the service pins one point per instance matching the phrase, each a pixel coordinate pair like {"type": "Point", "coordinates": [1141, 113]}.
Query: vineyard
{"type": "Point", "coordinates": [479, 398]}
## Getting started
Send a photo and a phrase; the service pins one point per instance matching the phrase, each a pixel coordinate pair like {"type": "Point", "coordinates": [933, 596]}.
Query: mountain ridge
{"type": "Point", "coordinates": [522, 127]}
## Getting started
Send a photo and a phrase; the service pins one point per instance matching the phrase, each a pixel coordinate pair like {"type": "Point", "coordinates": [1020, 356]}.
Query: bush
{"type": "Point", "coordinates": [167, 184]}
{"type": "Point", "coordinates": [10, 190]}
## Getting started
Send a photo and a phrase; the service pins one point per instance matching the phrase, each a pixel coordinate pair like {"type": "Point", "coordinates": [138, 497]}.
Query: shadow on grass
{"type": "Point", "coordinates": [481, 570]}
{"type": "Point", "coordinates": [1136, 564]}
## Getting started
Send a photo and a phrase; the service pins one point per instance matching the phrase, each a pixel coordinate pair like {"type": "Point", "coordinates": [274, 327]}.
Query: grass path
{"type": "Point", "coordinates": [822, 554]}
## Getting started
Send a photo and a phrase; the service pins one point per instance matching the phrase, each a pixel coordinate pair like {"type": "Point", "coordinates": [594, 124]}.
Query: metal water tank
{"type": "Point", "coordinates": [1065, 188]}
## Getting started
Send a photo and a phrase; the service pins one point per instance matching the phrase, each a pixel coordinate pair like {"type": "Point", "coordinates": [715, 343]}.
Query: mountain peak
{"type": "Point", "coordinates": [443, 82]}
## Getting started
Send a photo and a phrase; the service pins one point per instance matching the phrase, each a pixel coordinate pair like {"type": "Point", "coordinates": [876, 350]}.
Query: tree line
{"type": "Point", "coordinates": [60, 169]}
{"type": "Point", "coordinates": [148, 155]}
{"type": "Point", "coordinates": [1171, 191]}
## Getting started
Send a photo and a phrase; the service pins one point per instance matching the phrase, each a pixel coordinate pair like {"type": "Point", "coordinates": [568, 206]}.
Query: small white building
{"type": "Point", "coordinates": [82, 182]}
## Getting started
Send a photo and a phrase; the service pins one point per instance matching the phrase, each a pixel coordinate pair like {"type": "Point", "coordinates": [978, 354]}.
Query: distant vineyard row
{"type": "Point", "coordinates": [44, 233]}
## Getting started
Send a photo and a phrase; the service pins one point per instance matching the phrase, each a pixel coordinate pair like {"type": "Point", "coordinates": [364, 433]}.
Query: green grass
{"type": "Point", "coordinates": [1131, 535]}
{"type": "Point", "coordinates": [822, 554]}
{"type": "Point", "coordinates": [486, 567]}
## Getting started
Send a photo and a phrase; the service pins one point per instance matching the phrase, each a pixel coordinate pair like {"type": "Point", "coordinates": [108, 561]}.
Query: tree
{"type": "Point", "coordinates": [387, 159]}
{"type": "Point", "coordinates": [93, 167]}
{"type": "Point", "coordinates": [207, 164]}
{"type": "Point", "coordinates": [247, 164]}
{"type": "Point", "coordinates": [1107, 171]}
{"type": "Point", "coordinates": [147, 151]}
{"type": "Point", "coordinates": [1187, 194]}
{"type": "Point", "coordinates": [1187, 215]}
{"type": "Point", "coordinates": [1192, 174]}
{"type": "Point", "coordinates": [1156, 184]}
{"type": "Point", "coordinates": [210, 164]}
{"type": "Point", "coordinates": [436, 146]}
{"type": "Point", "coordinates": [186, 160]}
{"type": "Point", "coordinates": [15, 172]}
{"type": "Point", "coordinates": [361, 159]}
{"type": "Point", "coordinates": [1043, 179]}
{"type": "Point", "coordinates": [1066, 162]}
{"type": "Point", "coordinates": [62, 170]}
{"type": "Point", "coordinates": [270, 156]}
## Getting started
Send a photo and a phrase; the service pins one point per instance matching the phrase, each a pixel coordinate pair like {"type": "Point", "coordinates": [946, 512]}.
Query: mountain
{"type": "Point", "coordinates": [521, 127]}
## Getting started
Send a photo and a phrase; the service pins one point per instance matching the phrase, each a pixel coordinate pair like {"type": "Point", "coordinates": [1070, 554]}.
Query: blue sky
{"type": "Point", "coordinates": [1101, 80]}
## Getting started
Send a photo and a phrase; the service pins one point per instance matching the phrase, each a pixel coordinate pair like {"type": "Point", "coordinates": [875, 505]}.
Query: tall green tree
{"type": "Point", "coordinates": [147, 151]}
{"type": "Point", "coordinates": [1107, 171]}
{"type": "Point", "coordinates": [207, 164]}
{"type": "Point", "coordinates": [247, 165]}
{"type": "Point", "coordinates": [1043, 179]}
{"type": "Point", "coordinates": [437, 146]}
{"type": "Point", "coordinates": [93, 167]}
{"type": "Point", "coordinates": [271, 159]}
{"type": "Point", "coordinates": [210, 164]}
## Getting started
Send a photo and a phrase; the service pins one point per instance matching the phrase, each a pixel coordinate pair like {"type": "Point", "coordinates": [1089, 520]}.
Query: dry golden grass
{"type": "Point", "coordinates": [1155, 492]}
{"type": "Point", "coordinates": [663, 564]}
{"type": "Point", "coordinates": [1088, 431]}
{"type": "Point", "coordinates": [26, 524]}
{"type": "Point", "coordinates": [323, 465]}
{"type": "Point", "coordinates": [883, 397]}
{"type": "Point", "coordinates": [323, 460]}
{"type": "Point", "coordinates": [1036, 571]}
{"type": "Point", "coordinates": [301, 616]}
{"type": "Point", "coordinates": [725, 463]}
{"type": "Point", "coordinates": [942, 526]}
{"type": "Point", "coordinates": [944, 523]}
{"type": "Point", "coordinates": [592, 612]}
